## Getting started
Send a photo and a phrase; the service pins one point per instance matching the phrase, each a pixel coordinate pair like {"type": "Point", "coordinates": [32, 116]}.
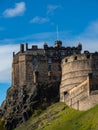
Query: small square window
{"type": "Point", "coordinates": [66, 60]}
{"type": "Point", "coordinates": [49, 60]}
{"type": "Point", "coordinates": [49, 68]}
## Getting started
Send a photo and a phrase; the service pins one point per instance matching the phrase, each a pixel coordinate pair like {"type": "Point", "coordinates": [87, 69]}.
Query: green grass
{"type": "Point", "coordinates": [61, 117]}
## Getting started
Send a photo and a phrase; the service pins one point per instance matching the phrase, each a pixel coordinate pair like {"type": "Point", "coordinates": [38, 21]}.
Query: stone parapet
{"type": "Point", "coordinates": [79, 80]}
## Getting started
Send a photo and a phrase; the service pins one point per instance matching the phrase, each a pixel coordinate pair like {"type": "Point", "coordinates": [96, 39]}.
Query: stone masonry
{"type": "Point", "coordinates": [79, 83]}
{"type": "Point", "coordinates": [40, 64]}
{"type": "Point", "coordinates": [78, 73]}
{"type": "Point", "coordinates": [41, 75]}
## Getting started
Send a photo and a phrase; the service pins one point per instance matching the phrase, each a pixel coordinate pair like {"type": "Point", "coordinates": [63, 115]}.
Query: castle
{"type": "Point", "coordinates": [40, 64]}
{"type": "Point", "coordinates": [78, 73]}
{"type": "Point", "coordinates": [79, 83]}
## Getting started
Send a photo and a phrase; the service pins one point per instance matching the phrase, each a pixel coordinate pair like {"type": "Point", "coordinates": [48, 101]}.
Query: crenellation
{"type": "Point", "coordinates": [21, 48]}
{"type": "Point", "coordinates": [79, 80]}
{"type": "Point", "coordinates": [40, 64]}
{"type": "Point", "coordinates": [59, 63]}
{"type": "Point", "coordinates": [26, 46]}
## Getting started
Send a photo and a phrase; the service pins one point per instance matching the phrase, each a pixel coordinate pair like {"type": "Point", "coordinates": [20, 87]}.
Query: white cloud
{"type": "Point", "coordinates": [6, 60]}
{"type": "Point", "coordinates": [18, 10]}
{"type": "Point", "coordinates": [39, 20]}
{"type": "Point", "coordinates": [89, 37]}
{"type": "Point", "coordinates": [91, 30]}
{"type": "Point", "coordinates": [6, 56]}
{"type": "Point", "coordinates": [52, 8]}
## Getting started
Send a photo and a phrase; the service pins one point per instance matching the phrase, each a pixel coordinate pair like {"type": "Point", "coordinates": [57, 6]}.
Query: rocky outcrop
{"type": "Point", "coordinates": [21, 101]}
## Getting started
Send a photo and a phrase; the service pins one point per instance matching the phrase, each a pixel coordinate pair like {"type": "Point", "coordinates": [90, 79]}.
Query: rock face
{"type": "Point", "coordinates": [21, 102]}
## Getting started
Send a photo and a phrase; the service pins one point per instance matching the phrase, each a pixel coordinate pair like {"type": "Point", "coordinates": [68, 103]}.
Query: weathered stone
{"type": "Point", "coordinates": [21, 102]}
{"type": "Point", "coordinates": [79, 80]}
{"type": "Point", "coordinates": [36, 76]}
{"type": "Point", "coordinates": [40, 64]}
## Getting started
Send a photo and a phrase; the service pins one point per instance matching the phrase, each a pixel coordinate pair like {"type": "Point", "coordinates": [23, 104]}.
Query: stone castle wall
{"type": "Point", "coordinates": [36, 65]}
{"type": "Point", "coordinates": [75, 70]}
{"type": "Point", "coordinates": [40, 64]}
{"type": "Point", "coordinates": [78, 73]}
{"type": "Point", "coordinates": [15, 70]}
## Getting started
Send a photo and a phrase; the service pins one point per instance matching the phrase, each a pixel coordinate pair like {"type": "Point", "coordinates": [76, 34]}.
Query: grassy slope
{"type": "Point", "coordinates": [60, 117]}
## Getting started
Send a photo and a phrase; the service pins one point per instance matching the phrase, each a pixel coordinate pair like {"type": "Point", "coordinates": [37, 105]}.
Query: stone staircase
{"type": "Point", "coordinates": [79, 97]}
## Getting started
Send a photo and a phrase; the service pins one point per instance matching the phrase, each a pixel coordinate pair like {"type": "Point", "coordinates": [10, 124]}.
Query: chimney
{"type": "Point", "coordinates": [13, 54]}
{"type": "Point", "coordinates": [21, 47]}
{"type": "Point", "coordinates": [34, 47]}
{"type": "Point", "coordinates": [26, 46]}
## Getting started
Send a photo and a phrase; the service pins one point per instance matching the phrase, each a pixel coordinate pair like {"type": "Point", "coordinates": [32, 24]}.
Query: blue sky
{"type": "Point", "coordinates": [36, 21]}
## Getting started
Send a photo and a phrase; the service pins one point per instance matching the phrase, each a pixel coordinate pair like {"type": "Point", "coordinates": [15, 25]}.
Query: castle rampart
{"type": "Point", "coordinates": [78, 66]}
{"type": "Point", "coordinates": [75, 71]}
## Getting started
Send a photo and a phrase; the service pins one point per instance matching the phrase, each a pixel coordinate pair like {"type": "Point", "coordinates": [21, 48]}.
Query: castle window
{"type": "Point", "coordinates": [49, 68]}
{"type": "Point", "coordinates": [35, 67]}
{"type": "Point", "coordinates": [66, 60]}
{"type": "Point", "coordinates": [35, 53]}
{"type": "Point", "coordinates": [65, 93]}
{"type": "Point", "coordinates": [62, 53]}
{"type": "Point", "coordinates": [75, 58]}
{"type": "Point", "coordinates": [49, 60]}
{"type": "Point", "coordinates": [35, 60]}
{"type": "Point", "coordinates": [51, 53]}
{"type": "Point", "coordinates": [88, 56]}
{"type": "Point", "coordinates": [74, 53]}
{"type": "Point", "coordinates": [35, 63]}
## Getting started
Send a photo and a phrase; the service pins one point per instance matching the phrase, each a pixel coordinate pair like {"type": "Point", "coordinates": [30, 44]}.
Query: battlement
{"type": "Point", "coordinates": [32, 65]}
{"type": "Point", "coordinates": [57, 46]}
{"type": "Point", "coordinates": [78, 57]}
{"type": "Point", "coordinates": [79, 78]}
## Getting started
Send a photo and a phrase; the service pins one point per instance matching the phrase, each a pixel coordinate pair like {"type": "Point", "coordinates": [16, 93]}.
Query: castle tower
{"type": "Point", "coordinates": [58, 43]}
{"type": "Point", "coordinates": [79, 81]}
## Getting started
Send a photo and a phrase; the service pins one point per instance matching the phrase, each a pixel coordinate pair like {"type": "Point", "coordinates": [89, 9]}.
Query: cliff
{"type": "Point", "coordinates": [21, 101]}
